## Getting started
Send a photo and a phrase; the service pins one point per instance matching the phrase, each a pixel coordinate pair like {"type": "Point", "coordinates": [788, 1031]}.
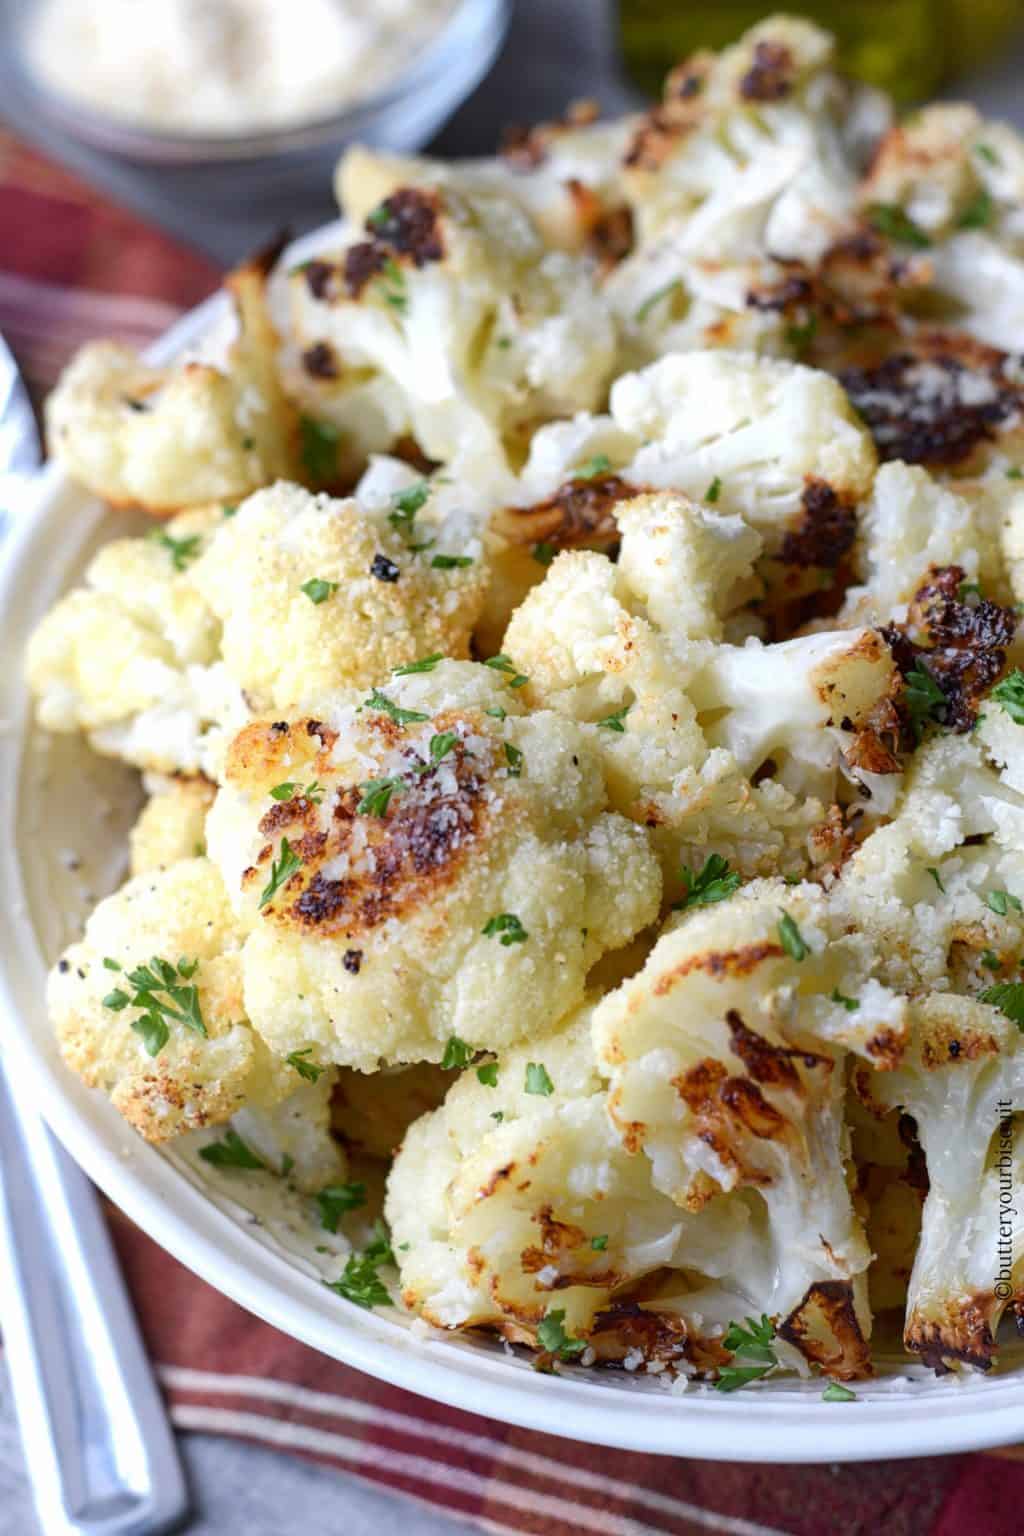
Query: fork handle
{"type": "Point", "coordinates": [101, 1456]}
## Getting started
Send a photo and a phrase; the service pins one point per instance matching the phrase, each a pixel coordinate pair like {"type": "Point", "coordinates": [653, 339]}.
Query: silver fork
{"type": "Point", "coordinates": [99, 1449]}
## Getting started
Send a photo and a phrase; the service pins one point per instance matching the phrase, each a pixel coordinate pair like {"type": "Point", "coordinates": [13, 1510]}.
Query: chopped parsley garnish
{"type": "Point", "coordinates": [537, 1079]}
{"type": "Point", "coordinates": [543, 553]}
{"type": "Point", "coordinates": [450, 562]}
{"type": "Point", "coordinates": [287, 1164]}
{"type": "Point", "coordinates": [109, 964]}
{"type": "Point", "coordinates": [599, 1244]}
{"type": "Point", "coordinates": [391, 285]}
{"type": "Point", "coordinates": [378, 700]}
{"type": "Point", "coordinates": [1001, 901]}
{"type": "Point", "coordinates": [318, 590]}
{"type": "Point", "coordinates": [305, 1068]}
{"type": "Point", "coordinates": [508, 926]}
{"type": "Point", "coordinates": [281, 871]}
{"type": "Point", "coordinates": [791, 938]}
{"type": "Point", "coordinates": [849, 1003]}
{"type": "Point", "coordinates": [925, 700]}
{"type": "Point", "coordinates": [457, 1054]}
{"type": "Point", "coordinates": [377, 795]}
{"type": "Point", "coordinates": [1010, 694]}
{"type": "Point", "coordinates": [426, 665]}
{"type": "Point", "coordinates": [514, 760]}
{"type": "Point", "coordinates": [228, 511]}
{"type": "Point", "coordinates": [615, 721]}
{"type": "Point", "coordinates": [440, 746]}
{"type": "Point", "coordinates": [232, 1152]}
{"type": "Point", "coordinates": [496, 712]}
{"type": "Point", "coordinates": [990, 960]}
{"type": "Point", "coordinates": [753, 1343]}
{"type": "Point", "coordinates": [552, 1337]}
{"type": "Point", "coordinates": [181, 551]}
{"type": "Point", "coordinates": [359, 1281]}
{"type": "Point", "coordinates": [405, 505]}
{"type": "Point", "coordinates": [655, 298]}
{"type": "Point", "coordinates": [714, 490]}
{"type": "Point", "coordinates": [377, 217]}
{"type": "Point", "coordinates": [502, 663]}
{"type": "Point", "coordinates": [335, 1200]}
{"type": "Point", "coordinates": [1015, 473]}
{"type": "Point", "coordinates": [715, 882]}
{"type": "Point", "coordinates": [488, 1074]}
{"type": "Point", "coordinates": [835, 1392]}
{"type": "Point", "coordinates": [600, 464]}
{"type": "Point", "coordinates": [319, 449]}
{"type": "Point", "coordinates": [968, 589]}
{"type": "Point", "coordinates": [978, 213]}
{"type": "Point", "coordinates": [800, 336]}
{"type": "Point", "coordinates": [931, 870]}
{"type": "Point", "coordinates": [165, 994]}
{"type": "Point", "coordinates": [987, 153]}
{"type": "Point", "coordinates": [291, 790]}
{"type": "Point", "coordinates": [1008, 997]}
{"type": "Point", "coordinates": [498, 1115]}
{"type": "Point", "coordinates": [890, 220]}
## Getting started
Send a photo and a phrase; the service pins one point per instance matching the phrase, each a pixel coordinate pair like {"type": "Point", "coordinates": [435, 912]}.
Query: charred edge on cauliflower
{"type": "Point", "coordinates": [935, 401]}
{"type": "Point", "coordinates": [626, 1329]}
{"type": "Point", "coordinates": [826, 531]}
{"type": "Point", "coordinates": [770, 77]}
{"type": "Point", "coordinates": [579, 515]}
{"type": "Point", "coordinates": [527, 147]}
{"type": "Point", "coordinates": [769, 1063]}
{"type": "Point", "coordinates": [405, 225]}
{"type": "Point", "coordinates": [320, 361]}
{"type": "Point", "coordinates": [397, 860]}
{"type": "Point", "coordinates": [608, 232]}
{"type": "Point", "coordinates": [680, 111]}
{"type": "Point", "coordinates": [961, 646]}
{"type": "Point", "coordinates": [825, 1329]}
{"type": "Point", "coordinates": [566, 1248]}
{"type": "Point", "coordinates": [964, 1334]}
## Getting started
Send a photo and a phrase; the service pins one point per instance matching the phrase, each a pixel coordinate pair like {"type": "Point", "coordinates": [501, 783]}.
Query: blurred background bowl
{"type": "Point", "coordinates": [270, 173]}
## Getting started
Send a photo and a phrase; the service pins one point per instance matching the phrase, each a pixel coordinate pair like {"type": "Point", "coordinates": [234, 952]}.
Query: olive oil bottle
{"type": "Point", "coordinates": [908, 47]}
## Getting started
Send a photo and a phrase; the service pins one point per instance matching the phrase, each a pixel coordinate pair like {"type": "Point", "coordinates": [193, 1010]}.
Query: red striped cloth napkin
{"type": "Point", "coordinates": [73, 266]}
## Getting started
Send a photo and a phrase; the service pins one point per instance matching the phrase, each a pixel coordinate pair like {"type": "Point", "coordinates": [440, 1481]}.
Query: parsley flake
{"type": "Point", "coordinates": [306, 1069]}
{"type": "Point", "coordinates": [1008, 997]}
{"type": "Point", "coordinates": [158, 990]}
{"type": "Point", "coordinates": [924, 699]}
{"type": "Point", "coordinates": [978, 213]}
{"type": "Point", "coordinates": [1009, 692]}
{"type": "Point", "coordinates": [334, 1200]}
{"type": "Point", "coordinates": [552, 1337]}
{"type": "Point", "coordinates": [891, 220]}
{"type": "Point", "coordinates": [377, 795]}
{"type": "Point", "coordinates": [1015, 473]}
{"type": "Point", "coordinates": [426, 665]}
{"type": "Point", "coordinates": [378, 700]}
{"type": "Point", "coordinates": [405, 505]}
{"type": "Point", "coordinates": [496, 712]}
{"type": "Point", "coordinates": [232, 1152]}
{"type": "Point", "coordinates": [990, 960]}
{"type": "Point", "coordinates": [281, 871]}
{"type": "Point", "coordinates": [359, 1281]}
{"type": "Point", "coordinates": [488, 1074]}
{"type": "Point", "coordinates": [599, 1244]}
{"type": "Point", "coordinates": [391, 286]}
{"type": "Point", "coordinates": [714, 490]}
{"type": "Point", "coordinates": [318, 445]}
{"type": "Point", "coordinates": [987, 153]}
{"type": "Point", "coordinates": [931, 870]}
{"type": "Point", "coordinates": [537, 1079]}
{"type": "Point", "coordinates": [181, 551]}
{"type": "Point", "coordinates": [440, 746]}
{"type": "Point", "coordinates": [1001, 901]}
{"type": "Point", "coordinates": [502, 663]}
{"type": "Point", "coordinates": [457, 1055]}
{"type": "Point", "coordinates": [615, 721]}
{"type": "Point", "coordinates": [754, 1343]}
{"type": "Point", "coordinates": [715, 882]}
{"type": "Point", "coordinates": [791, 938]}
{"type": "Point", "coordinates": [291, 790]}
{"type": "Point", "coordinates": [508, 926]}
{"type": "Point", "coordinates": [450, 562]}
{"type": "Point", "coordinates": [654, 299]}
{"type": "Point", "coordinates": [800, 335]}
{"type": "Point", "coordinates": [498, 1115]}
{"type": "Point", "coordinates": [849, 1003]}
{"type": "Point", "coordinates": [514, 760]}
{"type": "Point", "coordinates": [600, 464]}
{"type": "Point", "coordinates": [318, 590]}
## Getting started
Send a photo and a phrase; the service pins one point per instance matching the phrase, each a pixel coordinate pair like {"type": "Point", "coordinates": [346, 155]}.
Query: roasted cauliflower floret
{"type": "Point", "coordinates": [692, 747]}
{"type": "Point", "coordinates": [172, 823]}
{"type": "Point", "coordinates": [961, 1077]}
{"type": "Point", "coordinates": [295, 1137]}
{"type": "Point", "coordinates": [724, 1064]}
{"type": "Point", "coordinates": [169, 438]}
{"type": "Point", "coordinates": [133, 657]}
{"type": "Point", "coordinates": [432, 862]}
{"type": "Point", "coordinates": [516, 1198]}
{"type": "Point", "coordinates": [148, 1006]}
{"type": "Point", "coordinates": [455, 299]}
{"type": "Point", "coordinates": [313, 593]}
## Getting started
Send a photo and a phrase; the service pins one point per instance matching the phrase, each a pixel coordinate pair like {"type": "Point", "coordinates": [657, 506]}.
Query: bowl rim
{"type": "Point", "coordinates": [132, 139]}
{"type": "Point", "coordinates": [784, 1424]}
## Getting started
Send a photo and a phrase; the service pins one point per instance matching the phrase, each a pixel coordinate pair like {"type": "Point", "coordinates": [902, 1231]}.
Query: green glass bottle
{"type": "Point", "coordinates": [908, 47]}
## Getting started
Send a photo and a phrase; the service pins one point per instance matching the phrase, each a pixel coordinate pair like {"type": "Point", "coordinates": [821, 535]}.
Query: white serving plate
{"type": "Point", "coordinates": [59, 805]}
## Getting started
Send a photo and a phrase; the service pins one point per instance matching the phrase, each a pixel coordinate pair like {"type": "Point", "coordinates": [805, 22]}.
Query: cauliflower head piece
{"type": "Point", "coordinates": [171, 438]}
{"type": "Point", "coordinates": [431, 862]}
{"type": "Point", "coordinates": [172, 824]}
{"type": "Point", "coordinates": [725, 1065]}
{"type": "Point", "coordinates": [148, 1006]}
{"type": "Point", "coordinates": [455, 299]}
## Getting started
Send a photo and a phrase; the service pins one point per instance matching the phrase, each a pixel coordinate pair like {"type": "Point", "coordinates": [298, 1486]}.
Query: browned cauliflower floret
{"type": "Point", "coordinates": [172, 823]}
{"type": "Point", "coordinates": [433, 862]}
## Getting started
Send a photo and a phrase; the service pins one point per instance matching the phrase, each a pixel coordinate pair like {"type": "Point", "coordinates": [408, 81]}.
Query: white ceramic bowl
{"type": "Point", "coordinates": [55, 798]}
